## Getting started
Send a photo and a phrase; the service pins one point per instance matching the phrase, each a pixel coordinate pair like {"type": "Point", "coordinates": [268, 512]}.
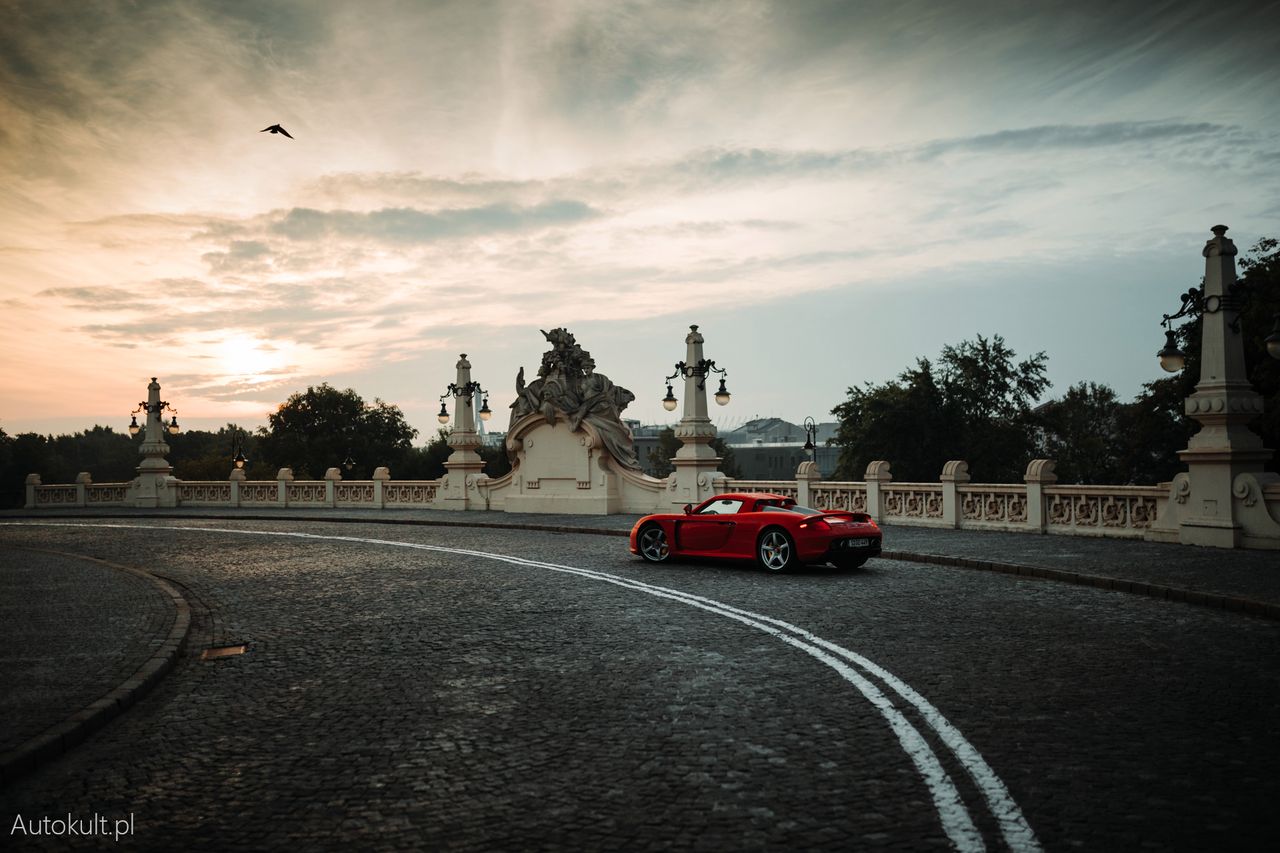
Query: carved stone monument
{"type": "Point", "coordinates": [570, 451]}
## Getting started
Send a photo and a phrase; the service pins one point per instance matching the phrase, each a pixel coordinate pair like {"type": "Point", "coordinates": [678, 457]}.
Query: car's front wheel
{"type": "Point", "coordinates": [776, 551]}
{"type": "Point", "coordinates": [652, 542]}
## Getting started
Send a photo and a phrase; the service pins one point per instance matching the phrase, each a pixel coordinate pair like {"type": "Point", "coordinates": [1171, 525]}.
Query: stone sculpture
{"type": "Point", "coordinates": [569, 386]}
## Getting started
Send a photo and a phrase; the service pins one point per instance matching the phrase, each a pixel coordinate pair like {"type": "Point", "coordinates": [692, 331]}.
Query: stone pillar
{"type": "Point", "coordinates": [697, 467]}
{"type": "Point", "coordinates": [1224, 403]}
{"type": "Point", "coordinates": [237, 477]}
{"type": "Point", "coordinates": [806, 475]}
{"type": "Point", "coordinates": [877, 477]}
{"type": "Point", "coordinates": [954, 473]}
{"type": "Point", "coordinates": [1039, 474]}
{"type": "Point", "coordinates": [331, 479]}
{"type": "Point", "coordinates": [283, 478]}
{"type": "Point", "coordinates": [33, 480]}
{"type": "Point", "coordinates": [82, 488]}
{"type": "Point", "coordinates": [380, 477]}
{"type": "Point", "coordinates": [464, 467]}
{"type": "Point", "coordinates": [151, 486]}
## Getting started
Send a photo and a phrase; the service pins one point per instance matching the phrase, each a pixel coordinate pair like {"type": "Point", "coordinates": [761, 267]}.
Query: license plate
{"type": "Point", "coordinates": [858, 543]}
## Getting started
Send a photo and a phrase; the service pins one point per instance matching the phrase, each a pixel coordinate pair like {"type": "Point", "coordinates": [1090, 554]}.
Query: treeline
{"type": "Point", "coordinates": [311, 432]}
{"type": "Point", "coordinates": [978, 402]}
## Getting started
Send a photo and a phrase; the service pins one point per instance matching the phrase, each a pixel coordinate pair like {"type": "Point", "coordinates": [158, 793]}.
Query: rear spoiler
{"type": "Point", "coordinates": [860, 517]}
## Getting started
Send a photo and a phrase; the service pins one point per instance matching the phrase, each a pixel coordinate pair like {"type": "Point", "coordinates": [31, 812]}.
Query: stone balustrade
{"type": "Point", "coordinates": [1039, 504]}
{"type": "Point", "coordinates": [283, 491]}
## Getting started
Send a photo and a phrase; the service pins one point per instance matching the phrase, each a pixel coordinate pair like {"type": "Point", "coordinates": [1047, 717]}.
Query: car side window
{"type": "Point", "coordinates": [721, 507]}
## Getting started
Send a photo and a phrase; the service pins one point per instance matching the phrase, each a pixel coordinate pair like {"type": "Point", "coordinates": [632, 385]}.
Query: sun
{"type": "Point", "coordinates": [247, 358]}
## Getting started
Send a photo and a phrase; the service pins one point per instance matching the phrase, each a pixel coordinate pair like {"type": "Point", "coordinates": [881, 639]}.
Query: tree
{"type": "Point", "coordinates": [668, 445]}
{"type": "Point", "coordinates": [1083, 433]}
{"type": "Point", "coordinates": [318, 429]}
{"type": "Point", "coordinates": [974, 405]}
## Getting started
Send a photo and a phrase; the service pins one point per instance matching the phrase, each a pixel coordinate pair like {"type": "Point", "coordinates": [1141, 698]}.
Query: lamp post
{"type": "Point", "coordinates": [1216, 502]}
{"type": "Point", "coordinates": [464, 466]}
{"type": "Point", "coordinates": [149, 489]}
{"type": "Point", "coordinates": [696, 475]}
{"type": "Point", "coordinates": [811, 439]}
{"type": "Point", "coordinates": [238, 458]}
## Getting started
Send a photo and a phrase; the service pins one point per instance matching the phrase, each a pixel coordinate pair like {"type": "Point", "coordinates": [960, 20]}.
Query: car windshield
{"type": "Point", "coordinates": [724, 506]}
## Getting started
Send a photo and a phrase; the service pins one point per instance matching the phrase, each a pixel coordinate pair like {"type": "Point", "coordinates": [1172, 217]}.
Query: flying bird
{"type": "Point", "coordinates": [275, 128]}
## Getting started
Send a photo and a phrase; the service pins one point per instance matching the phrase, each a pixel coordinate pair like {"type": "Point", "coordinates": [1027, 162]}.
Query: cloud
{"type": "Point", "coordinates": [243, 256]}
{"type": "Point", "coordinates": [408, 225]}
{"type": "Point", "coordinates": [1060, 137]}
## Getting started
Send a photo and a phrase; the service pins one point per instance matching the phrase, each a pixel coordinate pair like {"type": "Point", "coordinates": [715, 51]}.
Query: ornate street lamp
{"type": "Point", "coordinates": [1194, 302]}
{"type": "Point", "coordinates": [238, 457]}
{"type": "Point", "coordinates": [1273, 340]}
{"type": "Point", "coordinates": [466, 391]}
{"type": "Point", "coordinates": [810, 438]}
{"type": "Point", "coordinates": [348, 463]}
{"type": "Point", "coordinates": [154, 409]}
{"type": "Point", "coordinates": [700, 370]}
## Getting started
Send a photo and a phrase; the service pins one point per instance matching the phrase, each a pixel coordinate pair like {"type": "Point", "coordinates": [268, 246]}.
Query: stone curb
{"type": "Point", "coordinates": [76, 728]}
{"type": "Point", "coordinates": [1234, 604]}
{"type": "Point", "coordinates": [1261, 609]}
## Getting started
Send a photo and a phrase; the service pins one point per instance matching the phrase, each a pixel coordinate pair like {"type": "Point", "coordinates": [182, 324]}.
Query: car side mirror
{"type": "Point", "coordinates": [688, 509]}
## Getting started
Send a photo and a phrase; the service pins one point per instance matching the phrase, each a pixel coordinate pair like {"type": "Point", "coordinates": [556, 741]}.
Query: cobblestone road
{"type": "Point", "coordinates": [397, 698]}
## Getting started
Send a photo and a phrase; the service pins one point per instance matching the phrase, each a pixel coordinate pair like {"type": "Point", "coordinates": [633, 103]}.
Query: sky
{"type": "Point", "coordinates": [830, 190]}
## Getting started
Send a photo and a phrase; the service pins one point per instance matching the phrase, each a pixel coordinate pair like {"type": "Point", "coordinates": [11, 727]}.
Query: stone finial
{"type": "Point", "coordinates": [284, 474]}
{"type": "Point", "coordinates": [955, 471]}
{"type": "Point", "coordinates": [1221, 244]}
{"type": "Point", "coordinates": [878, 471]}
{"type": "Point", "coordinates": [333, 474]}
{"type": "Point", "coordinates": [808, 470]}
{"type": "Point", "coordinates": [238, 474]}
{"type": "Point", "coordinates": [382, 473]}
{"type": "Point", "coordinates": [33, 480]}
{"type": "Point", "coordinates": [83, 477]}
{"type": "Point", "coordinates": [1041, 471]}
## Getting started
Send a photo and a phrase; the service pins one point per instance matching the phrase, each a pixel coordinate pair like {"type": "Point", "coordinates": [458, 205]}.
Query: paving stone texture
{"type": "Point", "coordinates": [70, 632]}
{"type": "Point", "coordinates": [400, 699]}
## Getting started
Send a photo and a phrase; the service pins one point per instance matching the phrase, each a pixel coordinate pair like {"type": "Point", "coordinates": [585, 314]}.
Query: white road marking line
{"type": "Point", "coordinates": [955, 818]}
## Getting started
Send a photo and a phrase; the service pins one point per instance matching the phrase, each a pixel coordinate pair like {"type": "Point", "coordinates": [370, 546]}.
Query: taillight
{"type": "Point", "coordinates": [820, 524]}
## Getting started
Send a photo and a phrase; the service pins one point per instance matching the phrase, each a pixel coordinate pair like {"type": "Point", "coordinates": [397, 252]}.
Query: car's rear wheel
{"type": "Point", "coordinates": [850, 562]}
{"type": "Point", "coordinates": [776, 551]}
{"type": "Point", "coordinates": [652, 542]}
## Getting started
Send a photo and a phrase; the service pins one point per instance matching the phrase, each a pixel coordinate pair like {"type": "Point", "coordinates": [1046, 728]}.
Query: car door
{"type": "Point", "coordinates": [708, 531]}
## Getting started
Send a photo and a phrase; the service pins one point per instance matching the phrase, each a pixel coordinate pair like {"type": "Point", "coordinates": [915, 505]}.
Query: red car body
{"type": "Point", "coordinates": [770, 529]}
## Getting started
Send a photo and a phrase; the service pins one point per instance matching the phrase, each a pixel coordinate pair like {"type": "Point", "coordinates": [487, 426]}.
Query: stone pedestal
{"type": "Point", "coordinates": [154, 485]}
{"type": "Point", "coordinates": [1207, 505]}
{"type": "Point", "coordinates": [954, 473]}
{"type": "Point", "coordinates": [465, 468]}
{"type": "Point", "coordinates": [697, 473]}
{"type": "Point", "coordinates": [877, 477]}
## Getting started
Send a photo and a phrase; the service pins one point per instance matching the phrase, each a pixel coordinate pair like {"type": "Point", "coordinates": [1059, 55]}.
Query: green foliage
{"type": "Point", "coordinates": [496, 461]}
{"type": "Point", "coordinates": [974, 405]}
{"type": "Point", "coordinates": [321, 427]}
{"type": "Point", "coordinates": [427, 462]}
{"type": "Point", "coordinates": [204, 455]}
{"type": "Point", "coordinates": [668, 444]}
{"type": "Point", "coordinates": [1083, 432]}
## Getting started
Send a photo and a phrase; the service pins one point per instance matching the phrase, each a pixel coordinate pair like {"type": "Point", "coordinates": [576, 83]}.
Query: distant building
{"type": "Point", "coordinates": [772, 448]}
{"type": "Point", "coordinates": [764, 448]}
{"type": "Point", "coordinates": [646, 443]}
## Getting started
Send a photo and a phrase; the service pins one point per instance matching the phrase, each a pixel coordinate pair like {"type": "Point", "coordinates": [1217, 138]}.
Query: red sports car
{"type": "Point", "coordinates": [770, 529]}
